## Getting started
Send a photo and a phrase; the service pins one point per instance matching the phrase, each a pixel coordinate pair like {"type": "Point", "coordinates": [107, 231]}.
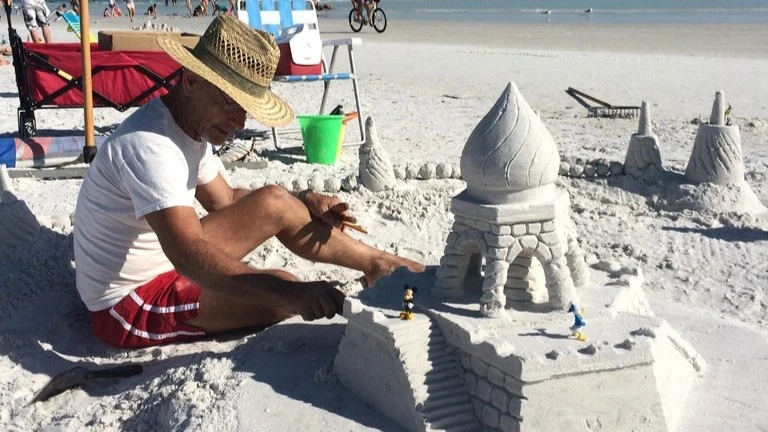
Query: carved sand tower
{"type": "Point", "coordinates": [716, 156]}
{"type": "Point", "coordinates": [643, 160]}
{"type": "Point", "coordinates": [376, 172]}
{"type": "Point", "coordinates": [510, 213]}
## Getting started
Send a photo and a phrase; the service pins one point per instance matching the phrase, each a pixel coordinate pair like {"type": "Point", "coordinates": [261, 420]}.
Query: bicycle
{"type": "Point", "coordinates": [358, 18]}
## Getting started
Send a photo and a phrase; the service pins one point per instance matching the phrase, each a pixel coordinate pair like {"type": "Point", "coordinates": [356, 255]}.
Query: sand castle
{"type": "Point", "coordinates": [485, 350]}
{"type": "Point", "coordinates": [376, 171]}
{"type": "Point", "coordinates": [510, 213]}
{"type": "Point", "coordinates": [716, 156]}
{"type": "Point", "coordinates": [643, 160]}
{"type": "Point", "coordinates": [714, 177]}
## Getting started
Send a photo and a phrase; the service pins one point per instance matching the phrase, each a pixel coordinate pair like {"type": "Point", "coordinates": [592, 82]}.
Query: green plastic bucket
{"type": "Point", "coordinates": [321, 135]}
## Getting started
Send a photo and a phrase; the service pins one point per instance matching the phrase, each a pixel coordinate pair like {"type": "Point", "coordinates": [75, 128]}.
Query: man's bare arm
{"type": "Point", "coordinates": [217, 194]}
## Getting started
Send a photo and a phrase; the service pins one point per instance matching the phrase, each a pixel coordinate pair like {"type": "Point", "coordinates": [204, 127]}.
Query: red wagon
{"type": "Point", "coordinates": [50, 76]}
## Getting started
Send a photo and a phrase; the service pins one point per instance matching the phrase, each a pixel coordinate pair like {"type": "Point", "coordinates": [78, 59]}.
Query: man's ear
{"type": "Point", "coordinates": [190, 80]}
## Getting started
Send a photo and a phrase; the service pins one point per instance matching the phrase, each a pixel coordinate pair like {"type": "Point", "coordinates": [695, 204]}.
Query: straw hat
{"type": "Point", "coordinates": [241, 62]}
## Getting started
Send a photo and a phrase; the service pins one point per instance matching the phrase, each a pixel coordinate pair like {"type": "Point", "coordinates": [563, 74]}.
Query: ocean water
{"type": "Point", "coordinates": [530, 11]}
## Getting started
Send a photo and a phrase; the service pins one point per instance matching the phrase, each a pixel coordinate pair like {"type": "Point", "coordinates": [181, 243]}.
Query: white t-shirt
{"type": "Point", "coordinates": [148, 164]}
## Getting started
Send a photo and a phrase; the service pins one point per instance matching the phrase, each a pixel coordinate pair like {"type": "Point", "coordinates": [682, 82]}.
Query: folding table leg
{"type": "Point", "coordinates": [353, 70]}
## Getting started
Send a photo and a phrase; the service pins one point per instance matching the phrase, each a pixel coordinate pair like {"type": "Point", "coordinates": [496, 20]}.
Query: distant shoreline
{"type": "Point", "coordinates": [703, 39]}
{"type": "Point", "coordinates": [721, 40]}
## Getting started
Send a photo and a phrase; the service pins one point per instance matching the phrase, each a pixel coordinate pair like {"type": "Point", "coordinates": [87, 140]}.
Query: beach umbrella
{"type": "Point", "coordinates": [89, 150]}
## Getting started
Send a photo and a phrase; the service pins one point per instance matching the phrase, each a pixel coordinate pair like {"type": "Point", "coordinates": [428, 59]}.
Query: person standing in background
{"type": "Point", "coordinates": [36, 15]}
{"type": "Point", "coordinates": [131, 7]}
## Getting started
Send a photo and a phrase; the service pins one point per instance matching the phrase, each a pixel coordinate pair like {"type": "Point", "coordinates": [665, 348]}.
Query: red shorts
{"type": "Point", "coordinates": [153, 314]}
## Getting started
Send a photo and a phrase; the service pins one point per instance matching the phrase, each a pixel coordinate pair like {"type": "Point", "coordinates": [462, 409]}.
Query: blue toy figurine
{"type": "Point", "coordinates": [578, 323]}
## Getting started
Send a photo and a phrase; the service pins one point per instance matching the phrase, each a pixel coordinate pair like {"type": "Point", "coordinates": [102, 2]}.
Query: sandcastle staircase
{"type": "Point", "coordinates": [435, 376]}
{"type": "Point", "coordinates": [405, 369]}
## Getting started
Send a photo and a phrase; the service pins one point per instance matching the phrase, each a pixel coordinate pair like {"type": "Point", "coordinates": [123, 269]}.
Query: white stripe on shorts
{"type": "Point", "coordinates": [147, 335]}
{"type": "Point", "coordinates": [163, 309]}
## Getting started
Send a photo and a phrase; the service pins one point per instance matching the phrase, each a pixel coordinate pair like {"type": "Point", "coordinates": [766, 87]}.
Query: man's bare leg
{"type": "Point", "coordinates": [273, 212]}
{"type": "Point", "coordinates": [35, 36]}
{"type": "Point", "coordinates": [47, 34]}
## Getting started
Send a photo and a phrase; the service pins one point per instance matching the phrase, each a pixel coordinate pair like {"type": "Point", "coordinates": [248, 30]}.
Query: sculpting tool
{"type": "Point", "coordinates": [357, 228]}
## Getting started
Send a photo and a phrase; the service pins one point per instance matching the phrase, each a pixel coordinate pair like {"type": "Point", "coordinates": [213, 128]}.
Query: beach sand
{"type": "Point", "coordinates": [427, 84]}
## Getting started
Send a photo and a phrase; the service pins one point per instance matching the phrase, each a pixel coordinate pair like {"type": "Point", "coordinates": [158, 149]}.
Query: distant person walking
{"type": "Point", "coordinates": [189, 7]}
{"type": "Point", "coordinates": [131, 8]}
{"type": "Point", "coordinates": [36, 15]}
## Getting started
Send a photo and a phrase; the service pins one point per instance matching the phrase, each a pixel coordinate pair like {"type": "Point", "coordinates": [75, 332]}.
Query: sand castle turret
{"type": "Point", "coordinates": [716, 156]}
{"type": "Point", "coordinates": [376, 172]}
{"type": "Point", "coordinates": [643, 160]}
{"type": "Point", "coordinates": [511, 215]}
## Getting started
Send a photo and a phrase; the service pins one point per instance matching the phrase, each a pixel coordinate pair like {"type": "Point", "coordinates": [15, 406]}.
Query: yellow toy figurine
{"type": "Point", "coordinates": [408, 304]}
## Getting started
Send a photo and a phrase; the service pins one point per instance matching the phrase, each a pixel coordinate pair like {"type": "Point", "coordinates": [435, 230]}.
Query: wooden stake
{"type": "Point", "coordinates": [89, 151]}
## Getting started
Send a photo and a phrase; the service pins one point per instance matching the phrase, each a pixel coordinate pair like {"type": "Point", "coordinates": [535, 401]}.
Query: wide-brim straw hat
{"type": "Point", "coordinates": [240, 61]}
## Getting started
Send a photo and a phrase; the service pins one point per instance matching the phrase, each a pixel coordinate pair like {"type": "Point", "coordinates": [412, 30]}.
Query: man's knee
{"type": "Point", "coordinates": [282, 274]}
{"type": "Point", "coordinates": [276, 197]}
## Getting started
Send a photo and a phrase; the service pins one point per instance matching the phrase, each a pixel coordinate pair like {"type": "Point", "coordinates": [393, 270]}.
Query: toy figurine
{"type": "Point", "coordinates": [578, 323]}
{"type": "Point", "coordinates": [408, 302]}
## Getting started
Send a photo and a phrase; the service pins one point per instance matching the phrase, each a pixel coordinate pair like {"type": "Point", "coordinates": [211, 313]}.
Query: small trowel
{"type": "Point", "coordinates": [79, 375]}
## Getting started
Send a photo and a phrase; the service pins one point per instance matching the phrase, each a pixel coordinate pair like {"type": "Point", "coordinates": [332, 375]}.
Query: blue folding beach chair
{"type": "Point", "coordinates": [73, 21]}
{"type": "Point", "coordinates": [285, 18]}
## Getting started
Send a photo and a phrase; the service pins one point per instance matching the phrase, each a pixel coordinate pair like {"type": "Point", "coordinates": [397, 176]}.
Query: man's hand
{"type": "Point", "coordinates": [329, 209]}
{"type": "Point", "coordinates": [315, 300]}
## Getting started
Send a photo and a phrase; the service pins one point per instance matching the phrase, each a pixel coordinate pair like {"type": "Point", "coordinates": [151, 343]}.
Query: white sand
{"type": "Point", "coordinates": [705, 273]}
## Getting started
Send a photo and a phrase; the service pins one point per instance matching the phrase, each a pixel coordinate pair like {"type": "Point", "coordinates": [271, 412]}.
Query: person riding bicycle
{"type": "Point", "coordinates": [370, 5]}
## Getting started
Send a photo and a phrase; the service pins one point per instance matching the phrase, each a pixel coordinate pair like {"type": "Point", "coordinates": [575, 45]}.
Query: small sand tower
{"type": "Point", "coordinates": [510, 213]}
{"type": "Point", "coordinates": [643, 160]}
{"type": "Point", "coordinates": [716, 156]}
{"type": "Point", "coordinates": [375, 169]}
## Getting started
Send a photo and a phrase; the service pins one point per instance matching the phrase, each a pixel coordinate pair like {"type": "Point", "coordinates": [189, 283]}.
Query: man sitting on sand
{"type": "Point", "coordinates": [151, 11]}
{"type": "Point", "coordinates": [198, 12]}
{"type": "Point", "coordinates": [5, 50]}
{"type": "Point", "coordinates": [57, 14]}
{"type": "Point", "coordinates": [148, 268]}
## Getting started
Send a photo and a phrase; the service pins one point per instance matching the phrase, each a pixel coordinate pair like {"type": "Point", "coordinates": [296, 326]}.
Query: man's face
{"type": "Point", "coordinates": [222, 117]}
{"type": "Point", "coordinates": [226, 117]}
